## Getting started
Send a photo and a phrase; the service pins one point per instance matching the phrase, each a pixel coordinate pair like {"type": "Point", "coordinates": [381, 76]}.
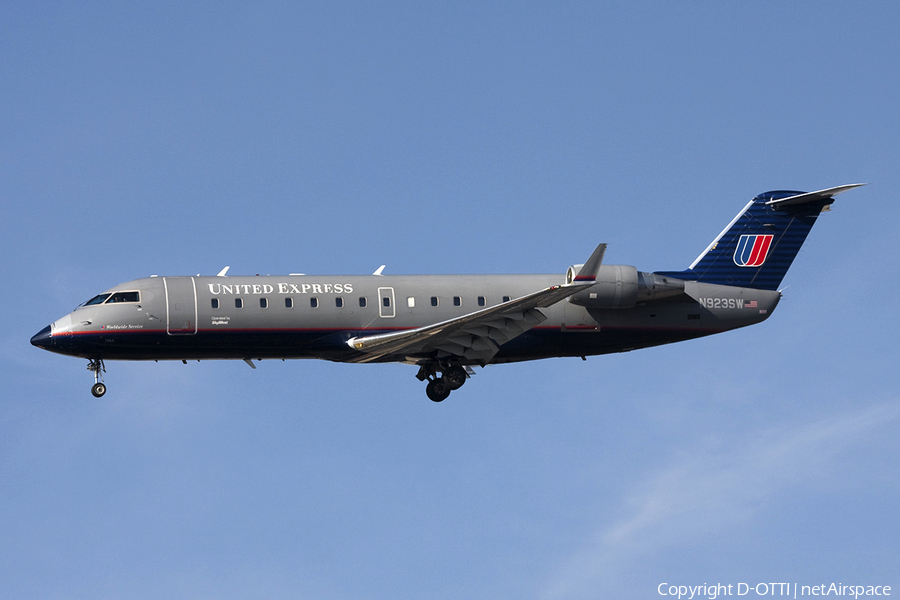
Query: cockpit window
{"type": "Point", "coordinates": [98, 299]}
{"type": "Point", "coordinates": [116, 297]}
{"type": "Point", "coordinates": [125, 297]}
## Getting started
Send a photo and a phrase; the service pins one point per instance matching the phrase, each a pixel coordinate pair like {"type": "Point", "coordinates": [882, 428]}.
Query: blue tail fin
{"type": "Point", "coordinates": [759, 245]}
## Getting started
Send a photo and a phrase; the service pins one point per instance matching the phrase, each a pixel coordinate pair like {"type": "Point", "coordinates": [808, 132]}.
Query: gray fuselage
{"type": "Point", "coordinates": [313, 316]}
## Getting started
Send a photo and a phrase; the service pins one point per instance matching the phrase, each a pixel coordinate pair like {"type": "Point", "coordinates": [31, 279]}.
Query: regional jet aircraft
{"type": "Point", "coordinates": [447, 324]}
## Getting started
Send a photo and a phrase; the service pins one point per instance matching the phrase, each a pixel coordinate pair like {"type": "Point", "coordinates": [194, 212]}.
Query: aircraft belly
{"type": "Point", "coordinates": [551, 343]}
{"type": "Point", "coordinates": [153, 345]}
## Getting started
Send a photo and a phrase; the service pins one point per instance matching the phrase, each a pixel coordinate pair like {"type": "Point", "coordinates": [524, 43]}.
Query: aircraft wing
{"type": "Point", "coordinates": [476, 336]}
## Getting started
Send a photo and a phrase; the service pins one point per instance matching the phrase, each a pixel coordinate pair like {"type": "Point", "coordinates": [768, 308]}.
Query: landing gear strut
{"type": "Point", "coordinates": [98, 368]}
{"type": "Point", "coordinates": [439, 387]}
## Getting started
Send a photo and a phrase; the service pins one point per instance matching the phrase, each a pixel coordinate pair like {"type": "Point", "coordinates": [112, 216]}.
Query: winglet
{"type": "Point", "coordinates": [590, 269]}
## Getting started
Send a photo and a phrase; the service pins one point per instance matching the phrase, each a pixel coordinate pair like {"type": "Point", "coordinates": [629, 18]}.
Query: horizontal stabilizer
{"type": "Point", "coordinates": [814, 196]}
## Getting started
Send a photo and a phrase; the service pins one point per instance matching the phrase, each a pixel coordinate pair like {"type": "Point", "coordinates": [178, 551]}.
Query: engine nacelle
{"type": "Point", "coordinates": [653, 286]}
{"type": "Point", "coordinates": [616, 287]}
{"type": "Point", "coordinates": [622, 286]}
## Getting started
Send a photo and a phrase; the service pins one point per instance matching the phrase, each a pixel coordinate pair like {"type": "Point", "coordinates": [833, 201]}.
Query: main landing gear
{"type": "Point", "coordinates": [97, 367]}
{"type": "Point", "coordinates": [439, 387]}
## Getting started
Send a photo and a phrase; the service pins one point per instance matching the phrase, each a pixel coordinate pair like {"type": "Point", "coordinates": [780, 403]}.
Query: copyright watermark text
{"type": "Point", "coordinates": [791, 590]}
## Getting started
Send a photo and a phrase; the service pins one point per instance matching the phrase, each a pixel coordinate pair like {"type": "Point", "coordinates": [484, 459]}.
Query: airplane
{"type": "Point", "coordinates": [447, 324]}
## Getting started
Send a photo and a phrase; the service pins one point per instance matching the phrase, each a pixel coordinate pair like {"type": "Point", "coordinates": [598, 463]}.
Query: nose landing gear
{"type": "Point", "coordinates": [98, 368]}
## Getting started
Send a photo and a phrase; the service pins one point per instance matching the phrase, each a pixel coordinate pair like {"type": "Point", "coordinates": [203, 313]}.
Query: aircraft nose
{"type": "Point", "coordinates": [42, 338]}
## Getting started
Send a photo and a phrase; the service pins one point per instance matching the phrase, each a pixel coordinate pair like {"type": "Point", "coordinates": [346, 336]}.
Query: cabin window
{"type": "Point", "coordinates": [411, 302]}
{"type": "Point", "coordinates": [289, 302]}
{"type": "Point", "coordinates": [434, 300]}
{"type": "Point", "coordinates": [386, 301]}
{"type": "Point", "coordinates": [506, 298]}
{"type": "Point", "coordinates": [125, 297]}
{"type": "Point", "coordinates": [480, 300]}
{"type": "Point", "coordinates": [362, 302]}
{"type": "Point", "coordinates": [314, 303]}
{"type": "Point", "coordinates": [215, 302]}
{"type": "Point", "coordinates": [339, 302]}
{"type": "Point", "coordinates": [238, 303]}
{"type": "Point", "coordinates": [457, 301]}
{"type": "Point", "coordinates": [264, 303]}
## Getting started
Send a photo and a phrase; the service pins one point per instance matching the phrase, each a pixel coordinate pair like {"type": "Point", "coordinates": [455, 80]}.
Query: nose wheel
{"type": "Point", "coordinates": [97, 367]}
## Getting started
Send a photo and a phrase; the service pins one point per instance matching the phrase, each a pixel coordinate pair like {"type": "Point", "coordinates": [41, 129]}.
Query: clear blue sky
{"type": "Point", "coordinates": [176, 138]}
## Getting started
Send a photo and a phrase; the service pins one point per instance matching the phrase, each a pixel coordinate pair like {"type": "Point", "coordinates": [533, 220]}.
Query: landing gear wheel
{"type": "Point", "coordinates": [437, 390]}
{"type": "Point", "coordinates": [455, 377]}
{"type": "Point", "coordinates": [96, 367]}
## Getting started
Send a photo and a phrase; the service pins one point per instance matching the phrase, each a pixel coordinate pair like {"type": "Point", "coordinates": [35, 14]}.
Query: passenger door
{"type": "Point", "coordinates": [181, 305]}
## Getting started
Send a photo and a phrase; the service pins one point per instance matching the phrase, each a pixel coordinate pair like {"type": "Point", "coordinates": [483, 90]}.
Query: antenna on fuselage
{"type": "Point", "coordinates": [379, 270]}
{"type": "Point", "coordinates": [223, 271]}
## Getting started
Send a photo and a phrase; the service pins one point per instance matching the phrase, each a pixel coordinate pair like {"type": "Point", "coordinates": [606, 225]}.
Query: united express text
{"type": "Point", "coordinates": [217, 289]}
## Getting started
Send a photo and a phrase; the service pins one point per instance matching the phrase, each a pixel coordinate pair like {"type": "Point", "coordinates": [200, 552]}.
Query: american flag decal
{"type": "Point", "coordinates": [752, 250]}
{"type": "Point", "coordinates": [750, 304]}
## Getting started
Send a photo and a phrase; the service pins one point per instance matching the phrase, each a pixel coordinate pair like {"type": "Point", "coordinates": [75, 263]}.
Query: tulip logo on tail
{"type": "Point", "coordinates": [751, 250]}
